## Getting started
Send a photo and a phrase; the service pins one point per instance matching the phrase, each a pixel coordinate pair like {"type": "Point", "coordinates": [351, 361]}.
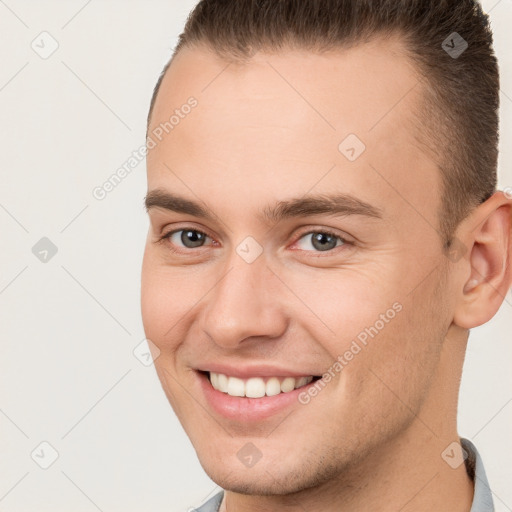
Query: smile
{"type": "Point", "coordinates": [251, 394]}
{"type": "Point", "coordinates": [256, 387]}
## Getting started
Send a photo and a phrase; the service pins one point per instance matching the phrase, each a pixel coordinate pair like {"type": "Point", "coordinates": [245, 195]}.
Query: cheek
{"type": "Point", "coordinates": [343, 307]}
{"type": "Point", "coordinates": [167, 296]}
{"type": "Point", "coordinates": [391, 376]}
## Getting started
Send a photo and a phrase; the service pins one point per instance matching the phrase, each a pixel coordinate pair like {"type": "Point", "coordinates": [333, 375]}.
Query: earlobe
{"type": "Point", "coordinates": [487, 234]}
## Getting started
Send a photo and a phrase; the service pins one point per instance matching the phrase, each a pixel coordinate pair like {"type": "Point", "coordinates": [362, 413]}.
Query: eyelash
{"type": "Point", "coordinates": [343, 240]}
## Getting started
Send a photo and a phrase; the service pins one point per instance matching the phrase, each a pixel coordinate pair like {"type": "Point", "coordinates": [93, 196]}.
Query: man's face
{"type": "Point", "coordinates": [287, 296]}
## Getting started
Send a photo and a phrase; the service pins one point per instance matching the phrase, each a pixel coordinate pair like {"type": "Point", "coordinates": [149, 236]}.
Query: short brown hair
{"type": "Point", "coordinates": [461, 92]}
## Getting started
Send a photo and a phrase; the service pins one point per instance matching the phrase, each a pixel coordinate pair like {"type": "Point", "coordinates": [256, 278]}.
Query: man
{"type": "Point", "coordinates": [324, 232]}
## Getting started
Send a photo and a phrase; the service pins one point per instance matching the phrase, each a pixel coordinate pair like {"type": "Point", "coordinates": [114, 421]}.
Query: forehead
{"type": "Point", "coordinates": [282, 122]}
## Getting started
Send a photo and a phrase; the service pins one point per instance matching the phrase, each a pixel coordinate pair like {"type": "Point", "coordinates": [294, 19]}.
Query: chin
{"type": "Point", "coordinates": [255, 484]}
{"type": "Point", "coordinates": [268, 478]}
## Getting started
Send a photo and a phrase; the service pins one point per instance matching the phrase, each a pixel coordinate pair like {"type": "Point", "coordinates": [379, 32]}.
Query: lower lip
{"type": "Point", "coordinates": [245, 409]}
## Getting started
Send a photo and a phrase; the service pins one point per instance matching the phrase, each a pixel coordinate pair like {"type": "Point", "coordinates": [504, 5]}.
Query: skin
{"type": "Point", "coordinates": [267, 131]}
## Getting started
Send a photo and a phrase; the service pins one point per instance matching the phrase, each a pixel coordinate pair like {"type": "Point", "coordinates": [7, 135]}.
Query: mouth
{"type": "Point", "coordinates": [249, 395]}
{"type": "Point", "coordinates": [257, 387]}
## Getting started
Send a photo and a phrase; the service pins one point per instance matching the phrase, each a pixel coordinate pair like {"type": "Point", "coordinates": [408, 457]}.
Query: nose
{"type": "Point", "coordinates": [244, 305]}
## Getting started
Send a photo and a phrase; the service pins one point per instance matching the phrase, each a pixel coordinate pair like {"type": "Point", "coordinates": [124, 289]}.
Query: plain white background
{"type": "Point", "coordinates": [69, 326]}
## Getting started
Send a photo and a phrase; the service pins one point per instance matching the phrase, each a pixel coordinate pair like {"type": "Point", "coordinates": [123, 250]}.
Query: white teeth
{"type": "Point", "coordinates": [222, 382]}
{"type": "Point", "coordinates": [256, 387]}
{"type": "Point", "coordinates": [273, 387]}
{"type": "Point", "coordinates": [214, 377]}
{"type": "Point", "coordinates": [288, 384]}
{"type": "Point", "coordinates": [236, 387]}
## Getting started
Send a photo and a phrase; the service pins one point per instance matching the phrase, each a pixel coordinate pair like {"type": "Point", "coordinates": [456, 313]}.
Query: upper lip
{"type": "Point", "coordinates": [248, 371]}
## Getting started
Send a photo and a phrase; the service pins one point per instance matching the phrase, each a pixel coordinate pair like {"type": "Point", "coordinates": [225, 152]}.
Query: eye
{"type": "Point", "coordinates": [188, 238]}
{"type": "Point", "coordinates": [319, 241]}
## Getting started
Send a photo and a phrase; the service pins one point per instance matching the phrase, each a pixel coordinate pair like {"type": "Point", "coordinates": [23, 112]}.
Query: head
{"type": "Point", "coordinates": [327, 208]}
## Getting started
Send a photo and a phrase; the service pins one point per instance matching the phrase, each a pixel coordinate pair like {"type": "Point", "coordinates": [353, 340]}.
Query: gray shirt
{"type": "Point", "coordinates": [482, 499]}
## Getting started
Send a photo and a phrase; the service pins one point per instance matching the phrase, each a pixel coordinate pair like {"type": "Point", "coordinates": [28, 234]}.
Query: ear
{"type": "Point", "coordinates": [487, 275]}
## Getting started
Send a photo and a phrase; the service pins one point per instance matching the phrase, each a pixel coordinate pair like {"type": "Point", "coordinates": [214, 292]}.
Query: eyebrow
{"type": "Point", "coordinates": [319, 204]}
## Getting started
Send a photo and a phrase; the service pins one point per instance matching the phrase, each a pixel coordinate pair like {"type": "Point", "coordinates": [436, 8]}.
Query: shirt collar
{"type": "Point", "coordinates": [482, 497]}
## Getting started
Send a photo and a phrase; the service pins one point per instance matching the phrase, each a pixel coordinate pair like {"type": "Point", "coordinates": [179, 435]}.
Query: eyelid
{"type": "Point", "coordinates": [166, 234]}
{"type": "Point", "coordinates": [344, 237]}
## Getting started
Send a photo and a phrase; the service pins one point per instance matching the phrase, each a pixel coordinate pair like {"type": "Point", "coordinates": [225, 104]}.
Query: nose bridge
{"type": "Point", "coordinates": [242, 305]}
